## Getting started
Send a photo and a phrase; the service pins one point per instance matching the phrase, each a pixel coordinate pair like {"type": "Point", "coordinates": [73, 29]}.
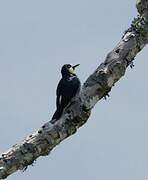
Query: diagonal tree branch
{"type": "Point", "coordinates": [97, 86]}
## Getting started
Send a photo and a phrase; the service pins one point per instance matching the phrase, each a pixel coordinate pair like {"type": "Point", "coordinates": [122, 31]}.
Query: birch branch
{"type": "Point", "coordinates": [97, 86]}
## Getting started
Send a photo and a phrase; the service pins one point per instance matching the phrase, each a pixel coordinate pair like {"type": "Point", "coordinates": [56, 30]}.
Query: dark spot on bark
{"type": "Point", "coordinates": [76, 120]}
{"type": "Point", "coordinates": [69, 116]}
{"type": "Point", "coordinates": [30, 135]}
{"type": "Point", "coordinates": [98, 90]}
{"type": "Point", "coordinates": [132, 65]}
{"type": "Point", "coordinates": [43, 126]}
{"type": "Point", "coordinates": [117, 50]}
{"type": "Point", "coordinates": [14, 145]}
{"type": "Point", "coordinates": [68, 111]}
{"type": "Point", "coordinates": [101, 71]}
{"type": "Point", "coordinates": [40, 131]}
{"type": "Point", "coordinates": [22, 152]}
{"type": "Point", "coordinates": [5, 160]}
{"type": "Point", "coordinates": [29, 148]}
{"type": "Point", "coordinates": [110, 71]}
{"type": "Point", "coordinates": [84, 108]}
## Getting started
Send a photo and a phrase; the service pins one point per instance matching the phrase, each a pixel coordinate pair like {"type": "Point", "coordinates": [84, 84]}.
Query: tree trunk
{"type": "Point", "coordinates": [97, 86]}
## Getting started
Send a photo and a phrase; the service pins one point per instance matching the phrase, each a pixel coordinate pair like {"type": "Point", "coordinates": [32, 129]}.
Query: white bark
{"type": "Point", "coordinates": [97, 86]}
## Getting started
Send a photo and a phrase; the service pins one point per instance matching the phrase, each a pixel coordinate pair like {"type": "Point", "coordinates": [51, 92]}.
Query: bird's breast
{"type": "Point", "coordinates": [71, 85]}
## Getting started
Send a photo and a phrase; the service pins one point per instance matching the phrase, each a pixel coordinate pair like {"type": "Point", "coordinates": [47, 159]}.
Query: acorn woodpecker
{"type": "Point", "coordinates": [67, 88]}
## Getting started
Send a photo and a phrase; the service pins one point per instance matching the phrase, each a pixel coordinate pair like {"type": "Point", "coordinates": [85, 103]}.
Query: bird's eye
{"type": "Point", "coordinates": [68, 66]}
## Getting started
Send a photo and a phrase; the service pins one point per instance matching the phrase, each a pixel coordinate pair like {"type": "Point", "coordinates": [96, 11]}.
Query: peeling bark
{"type": "Point", "coordinates": [97, 86]}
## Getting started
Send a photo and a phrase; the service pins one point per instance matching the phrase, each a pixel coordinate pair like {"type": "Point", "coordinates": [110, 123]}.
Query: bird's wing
{"type": "Point", "coordinates": [58, 101]}
{"type": "Point", "coordinates": [58, 92]}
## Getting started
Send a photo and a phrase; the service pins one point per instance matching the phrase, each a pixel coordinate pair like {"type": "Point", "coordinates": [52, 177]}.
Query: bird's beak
{"type": "Point", "coordinates": [72, 69]}
{"type": "Point", "coordinates": [75, 66]}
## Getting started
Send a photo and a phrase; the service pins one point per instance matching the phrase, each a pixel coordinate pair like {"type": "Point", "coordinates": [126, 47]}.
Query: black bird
{"type": "Point", "coordinates": [67, 88]}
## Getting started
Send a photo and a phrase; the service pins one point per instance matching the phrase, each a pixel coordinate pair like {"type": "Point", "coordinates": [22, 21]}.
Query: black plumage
{"type": "Point", "coordinates": [67, 88]}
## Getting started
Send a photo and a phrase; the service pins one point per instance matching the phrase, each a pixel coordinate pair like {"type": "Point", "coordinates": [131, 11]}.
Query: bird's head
{"type": "Point", "coordinates": [68, 69]}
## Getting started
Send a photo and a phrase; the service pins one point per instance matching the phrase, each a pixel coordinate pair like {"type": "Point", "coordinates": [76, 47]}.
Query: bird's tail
{"type": "Point", "coordinates": [56, 116]}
